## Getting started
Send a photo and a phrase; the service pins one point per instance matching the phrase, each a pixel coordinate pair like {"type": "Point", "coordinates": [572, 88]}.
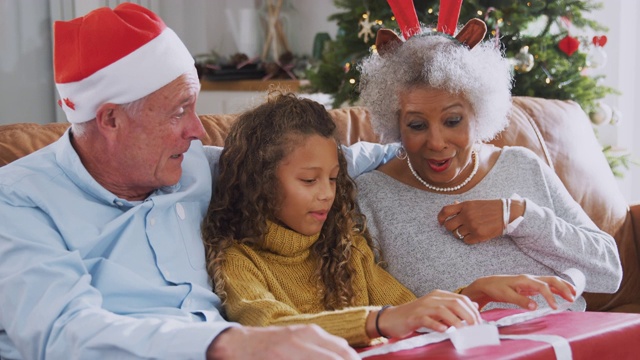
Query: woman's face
{"type": "Point", "coordinates": [435, 129]}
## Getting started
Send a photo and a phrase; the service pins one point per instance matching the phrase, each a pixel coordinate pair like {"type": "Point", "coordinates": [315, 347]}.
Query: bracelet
{"type": "Point", "coordinates": [378, 319]}
{"type": "Point", "coordinates": [459, 290]}
{"type": "Point", "coordinates": [505, 215]}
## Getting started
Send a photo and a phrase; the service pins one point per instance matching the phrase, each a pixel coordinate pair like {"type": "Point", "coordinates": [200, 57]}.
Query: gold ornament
{"type": "Point", "coordinates": [523, 61]}
{"type": "Point", "coordinates": [602, 114]}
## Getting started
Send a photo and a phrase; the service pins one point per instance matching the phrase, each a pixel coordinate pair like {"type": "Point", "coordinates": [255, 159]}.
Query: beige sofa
{"type": "Point", "coordinates": [558, 131]}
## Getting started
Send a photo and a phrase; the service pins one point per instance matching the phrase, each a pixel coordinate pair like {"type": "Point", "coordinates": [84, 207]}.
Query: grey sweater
{"type": "Point", "coordinates": [556, 234]}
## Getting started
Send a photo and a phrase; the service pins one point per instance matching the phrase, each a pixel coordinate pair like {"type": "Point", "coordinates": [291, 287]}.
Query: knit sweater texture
{"type": "Point", "coordinates": [556, 234]}
{"type": "Point", "coordinates": [272, 285]}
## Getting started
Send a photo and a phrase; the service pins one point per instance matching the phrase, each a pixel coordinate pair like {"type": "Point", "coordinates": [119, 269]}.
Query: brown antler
{"type": "Point", "coordinates": [386, 41]}
{"type": "Point", "coordinates": [472, 33]}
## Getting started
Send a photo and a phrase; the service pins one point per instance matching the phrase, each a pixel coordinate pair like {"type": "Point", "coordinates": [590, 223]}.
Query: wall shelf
{"type": "Point", "coordinates": [252, 85]}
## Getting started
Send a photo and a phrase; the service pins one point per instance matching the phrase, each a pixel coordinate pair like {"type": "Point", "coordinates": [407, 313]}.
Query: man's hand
{"type": "Point", "coordinates": [279, 342]}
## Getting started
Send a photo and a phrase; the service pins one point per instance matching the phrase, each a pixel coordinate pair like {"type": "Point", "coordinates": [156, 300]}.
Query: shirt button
{"type": "Point", "coordinates": [152, 221]}
{"type": "Point", "coordinates": [119, 203]}
{"type": "Point", "coordinates": [180, 210]}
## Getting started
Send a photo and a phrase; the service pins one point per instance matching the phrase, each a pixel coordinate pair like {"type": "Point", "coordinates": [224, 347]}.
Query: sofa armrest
{"type": "Point", "coordinates": [627, 298]}
{"type": "Point", "coordinates": [634, 212]}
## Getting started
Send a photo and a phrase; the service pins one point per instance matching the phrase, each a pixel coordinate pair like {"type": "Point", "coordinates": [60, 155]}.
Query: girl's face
{"type": "Point", "coordinates": [435, 128]}
{"type": "Point", "coordinates": [307, 184]}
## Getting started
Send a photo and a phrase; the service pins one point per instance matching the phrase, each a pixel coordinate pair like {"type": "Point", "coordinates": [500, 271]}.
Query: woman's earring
{"type": "Point", "coordinates": [401, 153]}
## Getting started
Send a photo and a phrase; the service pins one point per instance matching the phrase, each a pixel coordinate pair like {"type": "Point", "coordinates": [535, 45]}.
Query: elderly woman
{"type": "Point", "coordinates": [451, 208]}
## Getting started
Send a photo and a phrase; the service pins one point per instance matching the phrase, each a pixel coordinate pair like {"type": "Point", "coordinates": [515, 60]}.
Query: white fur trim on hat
{"type": "Point", "coordinates": [140, 73]}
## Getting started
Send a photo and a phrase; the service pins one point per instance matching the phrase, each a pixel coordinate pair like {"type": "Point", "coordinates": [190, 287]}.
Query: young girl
{"type": "Point", "coordinates": [285, 243]}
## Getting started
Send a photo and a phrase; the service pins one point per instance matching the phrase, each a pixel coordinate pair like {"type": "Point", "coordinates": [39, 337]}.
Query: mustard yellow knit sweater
{"type": "Point", "coordinates": [272, 286]}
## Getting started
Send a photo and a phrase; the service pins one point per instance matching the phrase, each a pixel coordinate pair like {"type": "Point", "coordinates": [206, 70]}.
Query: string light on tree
{"type": "Point", "coordinates": [539, 24]}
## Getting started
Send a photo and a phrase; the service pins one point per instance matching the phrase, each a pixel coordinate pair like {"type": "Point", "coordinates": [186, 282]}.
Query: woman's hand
{"type": "Point", "coordinates": [437, 311]}
{"type": "Point", "coordinates": [516, 289]}
{"type": "Point", "coordinates": [475, 221]}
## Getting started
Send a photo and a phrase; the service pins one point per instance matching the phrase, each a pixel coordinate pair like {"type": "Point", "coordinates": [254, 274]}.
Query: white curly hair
{"type": "Point", "coordinates": [482, 75]}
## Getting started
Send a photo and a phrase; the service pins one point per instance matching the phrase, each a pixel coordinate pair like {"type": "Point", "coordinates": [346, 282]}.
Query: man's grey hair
{"type": "Point", "coordinates": [481, 75]}
{"type": "Point", "coordinates": [133, 110]}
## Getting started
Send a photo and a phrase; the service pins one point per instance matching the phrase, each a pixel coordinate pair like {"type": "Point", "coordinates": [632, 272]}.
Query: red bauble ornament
{"type": "Point", "coordinates": [599, 40]}
{"type": "Point", "coordinates": [569, 45]}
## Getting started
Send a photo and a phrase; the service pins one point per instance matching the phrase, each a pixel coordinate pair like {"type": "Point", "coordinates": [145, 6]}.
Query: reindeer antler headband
{"type": "Point", "coordinates": [470, 35]}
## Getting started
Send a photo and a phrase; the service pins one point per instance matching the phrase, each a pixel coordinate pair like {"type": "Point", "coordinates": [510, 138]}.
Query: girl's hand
{"type": "Point", "coordinates": [437, 311]}
{"type": "Point", "coordinates": [476, 221]}
{"type": "Point", "coordinates": [516, 289]}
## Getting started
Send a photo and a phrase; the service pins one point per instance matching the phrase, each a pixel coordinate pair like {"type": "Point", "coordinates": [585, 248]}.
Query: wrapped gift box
{"type": "Point", "coordinates": [591, 335]}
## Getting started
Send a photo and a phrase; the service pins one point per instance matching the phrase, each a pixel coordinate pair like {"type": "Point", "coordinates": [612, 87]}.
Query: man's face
{"type": "Point", "coordinates": [153, 140]}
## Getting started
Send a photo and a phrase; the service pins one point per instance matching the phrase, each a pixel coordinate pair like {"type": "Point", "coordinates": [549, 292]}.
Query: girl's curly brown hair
{"type": "Point", "coordinates": [244, 198]}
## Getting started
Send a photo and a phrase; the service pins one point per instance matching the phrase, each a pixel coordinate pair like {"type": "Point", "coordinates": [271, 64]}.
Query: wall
{"type": "Point", "coordinates": [621, 72]}
{"type": "Point", "coordinates": [214, 25]}
{"type": "Point", "coordinates": [26, 82]}
{"type": "Point", "coordinates": [26, 78]}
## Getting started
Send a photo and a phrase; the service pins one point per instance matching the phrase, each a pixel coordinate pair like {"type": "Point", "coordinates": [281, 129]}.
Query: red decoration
{"type": "Point", "coordinates": [599, 40]}
{"type": "Point", "coordinates": [448, 16]}
{"type": "Point", "coordinates": [67, 102]}
{"type": "Point", "coordinates": [569, 45]}
{"type": "Point", "coordinates": [406, 16]}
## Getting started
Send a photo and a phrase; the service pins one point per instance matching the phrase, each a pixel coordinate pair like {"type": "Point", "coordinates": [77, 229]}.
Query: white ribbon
{"type": "Point", "coordinates": [406, 344]}
{"type": "Point", "coordinates": [560, 345]}
{"type": "Point", "coordinates": [487, 333]}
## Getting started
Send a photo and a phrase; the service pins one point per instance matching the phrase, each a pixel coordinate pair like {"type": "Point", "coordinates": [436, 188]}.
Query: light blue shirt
{"type": "Point", "coordinates": [87, 275]}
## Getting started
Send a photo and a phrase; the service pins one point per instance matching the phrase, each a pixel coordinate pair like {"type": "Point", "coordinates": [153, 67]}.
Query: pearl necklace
{"type": "Point", "coordinates": [476, 164]}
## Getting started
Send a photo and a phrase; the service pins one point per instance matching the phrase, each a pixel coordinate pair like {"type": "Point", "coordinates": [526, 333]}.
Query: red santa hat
{"type": "Point", "coordinates": [114, 56]}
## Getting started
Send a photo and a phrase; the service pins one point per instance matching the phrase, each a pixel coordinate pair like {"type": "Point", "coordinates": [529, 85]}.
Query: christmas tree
{"type": "Point", "coordinates": [553, 46]}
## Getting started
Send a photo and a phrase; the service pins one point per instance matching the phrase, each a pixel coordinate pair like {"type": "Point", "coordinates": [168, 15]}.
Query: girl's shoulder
{"type": "Point", "coordinates": [240, 252]}
{"type": "Point", "coordinates": [362, 246]}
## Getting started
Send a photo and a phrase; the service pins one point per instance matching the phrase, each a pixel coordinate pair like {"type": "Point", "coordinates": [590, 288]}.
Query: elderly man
{"type": "Point", "coordinates": [100, 245]}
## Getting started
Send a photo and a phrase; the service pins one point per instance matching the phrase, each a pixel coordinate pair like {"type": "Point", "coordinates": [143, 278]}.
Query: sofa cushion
{"type": "Point", "coordinates": [352, 126]}
{"type": "Point", "coordinates": [18, 140]}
